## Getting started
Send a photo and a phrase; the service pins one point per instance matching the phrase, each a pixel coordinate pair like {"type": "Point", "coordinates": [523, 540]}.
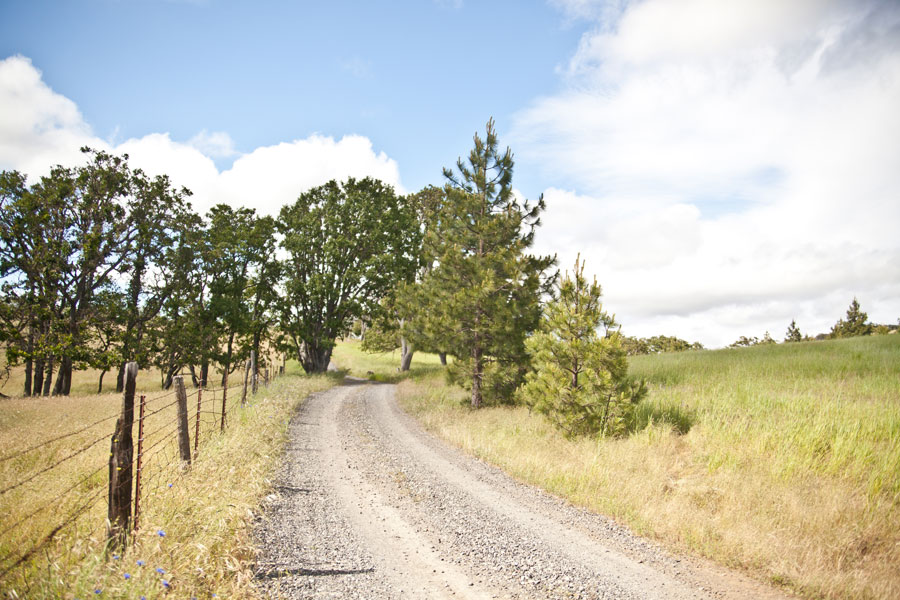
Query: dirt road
{"type": "Point", "coordinates": [370, 506]}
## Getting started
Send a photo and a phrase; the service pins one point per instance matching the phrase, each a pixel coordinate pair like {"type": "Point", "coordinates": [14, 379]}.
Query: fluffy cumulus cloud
{"type": "Point", "coordinates": [40, 128]}
{"type": "Point", "coordinates": [725, 167]}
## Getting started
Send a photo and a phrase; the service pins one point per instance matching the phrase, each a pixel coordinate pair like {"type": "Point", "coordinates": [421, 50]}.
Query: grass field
{"type": "Point", "coordinates": [783, 461]}
{"type": "Point", "coordinates": [204, 513]}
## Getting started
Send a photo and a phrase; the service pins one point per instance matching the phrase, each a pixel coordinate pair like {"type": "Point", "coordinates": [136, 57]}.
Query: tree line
{"type": "Point", "coordinates": [855, 323]}
{"type": "Point", "coordinates": [102, 265]}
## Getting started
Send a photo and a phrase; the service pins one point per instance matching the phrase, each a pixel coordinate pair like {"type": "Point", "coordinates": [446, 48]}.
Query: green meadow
{"type": "Point", "coordinates": [779, 460]}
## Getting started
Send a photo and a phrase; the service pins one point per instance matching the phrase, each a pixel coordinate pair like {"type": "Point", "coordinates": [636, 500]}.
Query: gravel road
{"type": "Point", "coordinates": [368, 505]}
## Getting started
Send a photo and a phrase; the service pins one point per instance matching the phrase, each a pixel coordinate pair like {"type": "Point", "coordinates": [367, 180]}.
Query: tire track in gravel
{"type": "Point", "coordinates": [371, 506]}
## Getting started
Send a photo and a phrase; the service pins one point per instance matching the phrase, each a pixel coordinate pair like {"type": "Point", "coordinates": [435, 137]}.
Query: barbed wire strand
{"type": "Point", "coordinates": [72, 518]}
{"type": "Point", "coordinates": [52, 501]}
{"type": "Point", "coordinates": [56, 439]}
{"type": "Point", "coordinates": [56, 464]}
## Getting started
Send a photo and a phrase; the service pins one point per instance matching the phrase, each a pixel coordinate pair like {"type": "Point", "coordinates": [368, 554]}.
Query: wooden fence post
{"type": "Point", "coordinates": [121, 455]}
{"type": "Point", "coordinates": [140, 454]}
{"type": "Point", "coordinates": [184, 438]}
{"type": "Point", "coordinates": [246, 377]}
{"type": "Point", "coordinates": [197, 433]}
{"type": "Point", "coordinates": [224, 396]}
{"type": "Point", "coordinates": [253, 370]}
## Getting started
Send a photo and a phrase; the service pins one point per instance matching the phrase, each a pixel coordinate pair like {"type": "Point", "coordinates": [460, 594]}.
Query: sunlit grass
{"type": "Point", "coordinates": [781, 460]}
{"type": "Point", "coordinates": [194, 524]}
{"type": "Point", "coordinates": [382, 366]}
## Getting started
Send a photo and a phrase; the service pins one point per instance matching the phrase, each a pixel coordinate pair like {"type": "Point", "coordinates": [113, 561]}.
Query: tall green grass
{"type": "Point", "coordinates": [781, 460]}
{"type": "Point", "coordinates": [825, 408]}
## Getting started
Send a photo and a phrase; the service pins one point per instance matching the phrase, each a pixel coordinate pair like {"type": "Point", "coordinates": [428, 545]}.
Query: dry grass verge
{"type": "Point", "coordinates": [194, 538]}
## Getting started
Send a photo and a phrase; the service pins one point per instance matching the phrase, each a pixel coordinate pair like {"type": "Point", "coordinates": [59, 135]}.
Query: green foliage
{"type": "Point", "coordinates": [746, 342]}
{"type": "Point", "coordinates": [66, 244]}
{"type": "Point", "coordinates": [854, 324]}
{"type": "Point", "coordinates": [793, 333]}
{"type": "Point", "coordinates": [347, 244]}
{"type": "Point", "coordinates": [659, 343]}
{"type": "Point", "coordinates": [580, 379]}
{"type": "Point", "coordinates": [482, 296]}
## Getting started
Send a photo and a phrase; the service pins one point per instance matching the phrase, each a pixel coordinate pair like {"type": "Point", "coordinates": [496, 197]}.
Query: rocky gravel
{"type": "Point", "coordinates": [367, 505]}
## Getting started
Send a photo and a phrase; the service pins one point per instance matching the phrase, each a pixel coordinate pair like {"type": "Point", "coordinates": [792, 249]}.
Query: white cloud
{"type": "Point", "coordinates": [735, 164]}
{"type": "Point", "coordinates": [40, 128]}
{"type": "Point", "coordinates": [217, 144]}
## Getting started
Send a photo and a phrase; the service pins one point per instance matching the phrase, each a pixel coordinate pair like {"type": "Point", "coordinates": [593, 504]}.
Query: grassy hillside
{"type": "Point", "coordinates": [780, 460]}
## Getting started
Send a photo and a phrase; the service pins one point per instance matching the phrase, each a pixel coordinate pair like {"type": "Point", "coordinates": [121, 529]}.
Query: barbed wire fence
{"type": "Point", "coordinates": [78, 479]}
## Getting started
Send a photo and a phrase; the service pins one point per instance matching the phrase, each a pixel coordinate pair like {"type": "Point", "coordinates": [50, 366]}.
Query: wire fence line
{"type": "Point", "coordinates": [64, 479]}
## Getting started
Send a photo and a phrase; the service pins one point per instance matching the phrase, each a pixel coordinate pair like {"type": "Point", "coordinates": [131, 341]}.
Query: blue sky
{"type": "Point", "coordinates": [723, 166]}
{"type": "Point", "coordinates": [416, 77]}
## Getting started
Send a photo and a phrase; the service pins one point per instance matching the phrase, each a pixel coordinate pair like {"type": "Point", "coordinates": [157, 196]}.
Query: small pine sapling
{"type": "Point", "coordinates": [579, 381]}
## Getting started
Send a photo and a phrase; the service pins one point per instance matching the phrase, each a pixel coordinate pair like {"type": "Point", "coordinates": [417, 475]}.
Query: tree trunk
{"type": "Point", "coordinates": [477, 375]}
{"type": "Point", "coordinates": [120, 378]}
{"type": "Point", "coordinates": [170, 376]}
{"type": "Point", "coordinates": [406, 354]}
{"type": "Point", "coordinates": [443, 357]}
{"type": "Point", "coordinates": [100, 383]}
{"type": "Point", "coordinates": [63, 378]}
{"type": "Point", "coordinates": [38, 381]}
{"type": "Point", "coordinates": [204, 373]}
{"type": "Point", "coordinates": [29, 362]}
{"type": "Point", "coordinates": [315, 359]}
{"type": "Point", "coordinates": [48, 377]}
{"type": "Point", "coordinates": [227, 366]}
{"type": "Point", "coordinates": [194, 379]}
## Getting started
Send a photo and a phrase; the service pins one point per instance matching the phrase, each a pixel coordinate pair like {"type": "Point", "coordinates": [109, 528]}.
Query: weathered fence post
{"type": "Point", "coordinates": [224, 396]}
{"type": "Point", "coordinates": [140, 455]}
{"type": "Point", "coordinates": [184, 438]}
{"type": "Point", "coordinates": [253, 370]}
{"type": "Point", "coordinates": [197, 432]}
{"type": "Point", "coordinates": [246, 377]}
{"type": "Point", "coordinates": [121, 455]}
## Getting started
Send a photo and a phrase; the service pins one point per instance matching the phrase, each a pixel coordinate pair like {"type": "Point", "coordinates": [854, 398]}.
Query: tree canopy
{"type": "Point", "coordinates": [347, 244]}
{"type": "Point", "coordinates": [481, 296]}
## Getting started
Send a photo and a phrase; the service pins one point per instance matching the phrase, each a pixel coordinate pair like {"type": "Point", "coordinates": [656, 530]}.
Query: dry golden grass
{"type": "Point", "coordinates": [204, 513]}
{"type": "Point", "coordinates": [789, 468]}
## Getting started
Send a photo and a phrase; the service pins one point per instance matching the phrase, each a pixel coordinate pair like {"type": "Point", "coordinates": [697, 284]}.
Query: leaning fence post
{"type": "Point", "coordinates": [184, 438]}
{"type": "Point", "coordinates": [197, 432]}
{"type": "Point", "coordinates": [224, 396]}
{"type": "Point", "coordinates": [246, 376]}
{"type": "Point", "coordinates": [120, 464]}
{"type": "Point", "coordinates": [140, 455]}
{"type": "Point", "coordinates": [253, 370]}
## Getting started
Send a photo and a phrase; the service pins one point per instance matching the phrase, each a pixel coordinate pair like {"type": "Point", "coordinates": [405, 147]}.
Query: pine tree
{"type": "Point", "coordinates": [580, 379]}
{"type": "Point", "coordinates": [854, 324]}
{"type": "Point", "coordinates": [482, 297]}
{"type": "Point", "coordinates": [793, 333]}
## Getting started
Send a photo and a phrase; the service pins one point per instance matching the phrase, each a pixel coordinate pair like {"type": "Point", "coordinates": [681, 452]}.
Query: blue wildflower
{"type": "Point", "coordinates": [170, 485]}
{"type": "Point", "coordinates": [141, 563]}
{"type": "Point", "coordinates": [160, 571]}
{"type": "Point", "coordinates": [161, 533]}
{"type": "Point", "coordinates": [98, 592]}
{"type": "Point", "coordinates": [116, 557]}
{"type": "Point", "coordinates": [127, 575]}
{"type": "Point", "coordinates": [166, 584]}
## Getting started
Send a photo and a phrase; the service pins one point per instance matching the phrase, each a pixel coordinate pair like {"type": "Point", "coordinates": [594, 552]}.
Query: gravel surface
{"type": "Point", "coordinates": [367, 505]}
